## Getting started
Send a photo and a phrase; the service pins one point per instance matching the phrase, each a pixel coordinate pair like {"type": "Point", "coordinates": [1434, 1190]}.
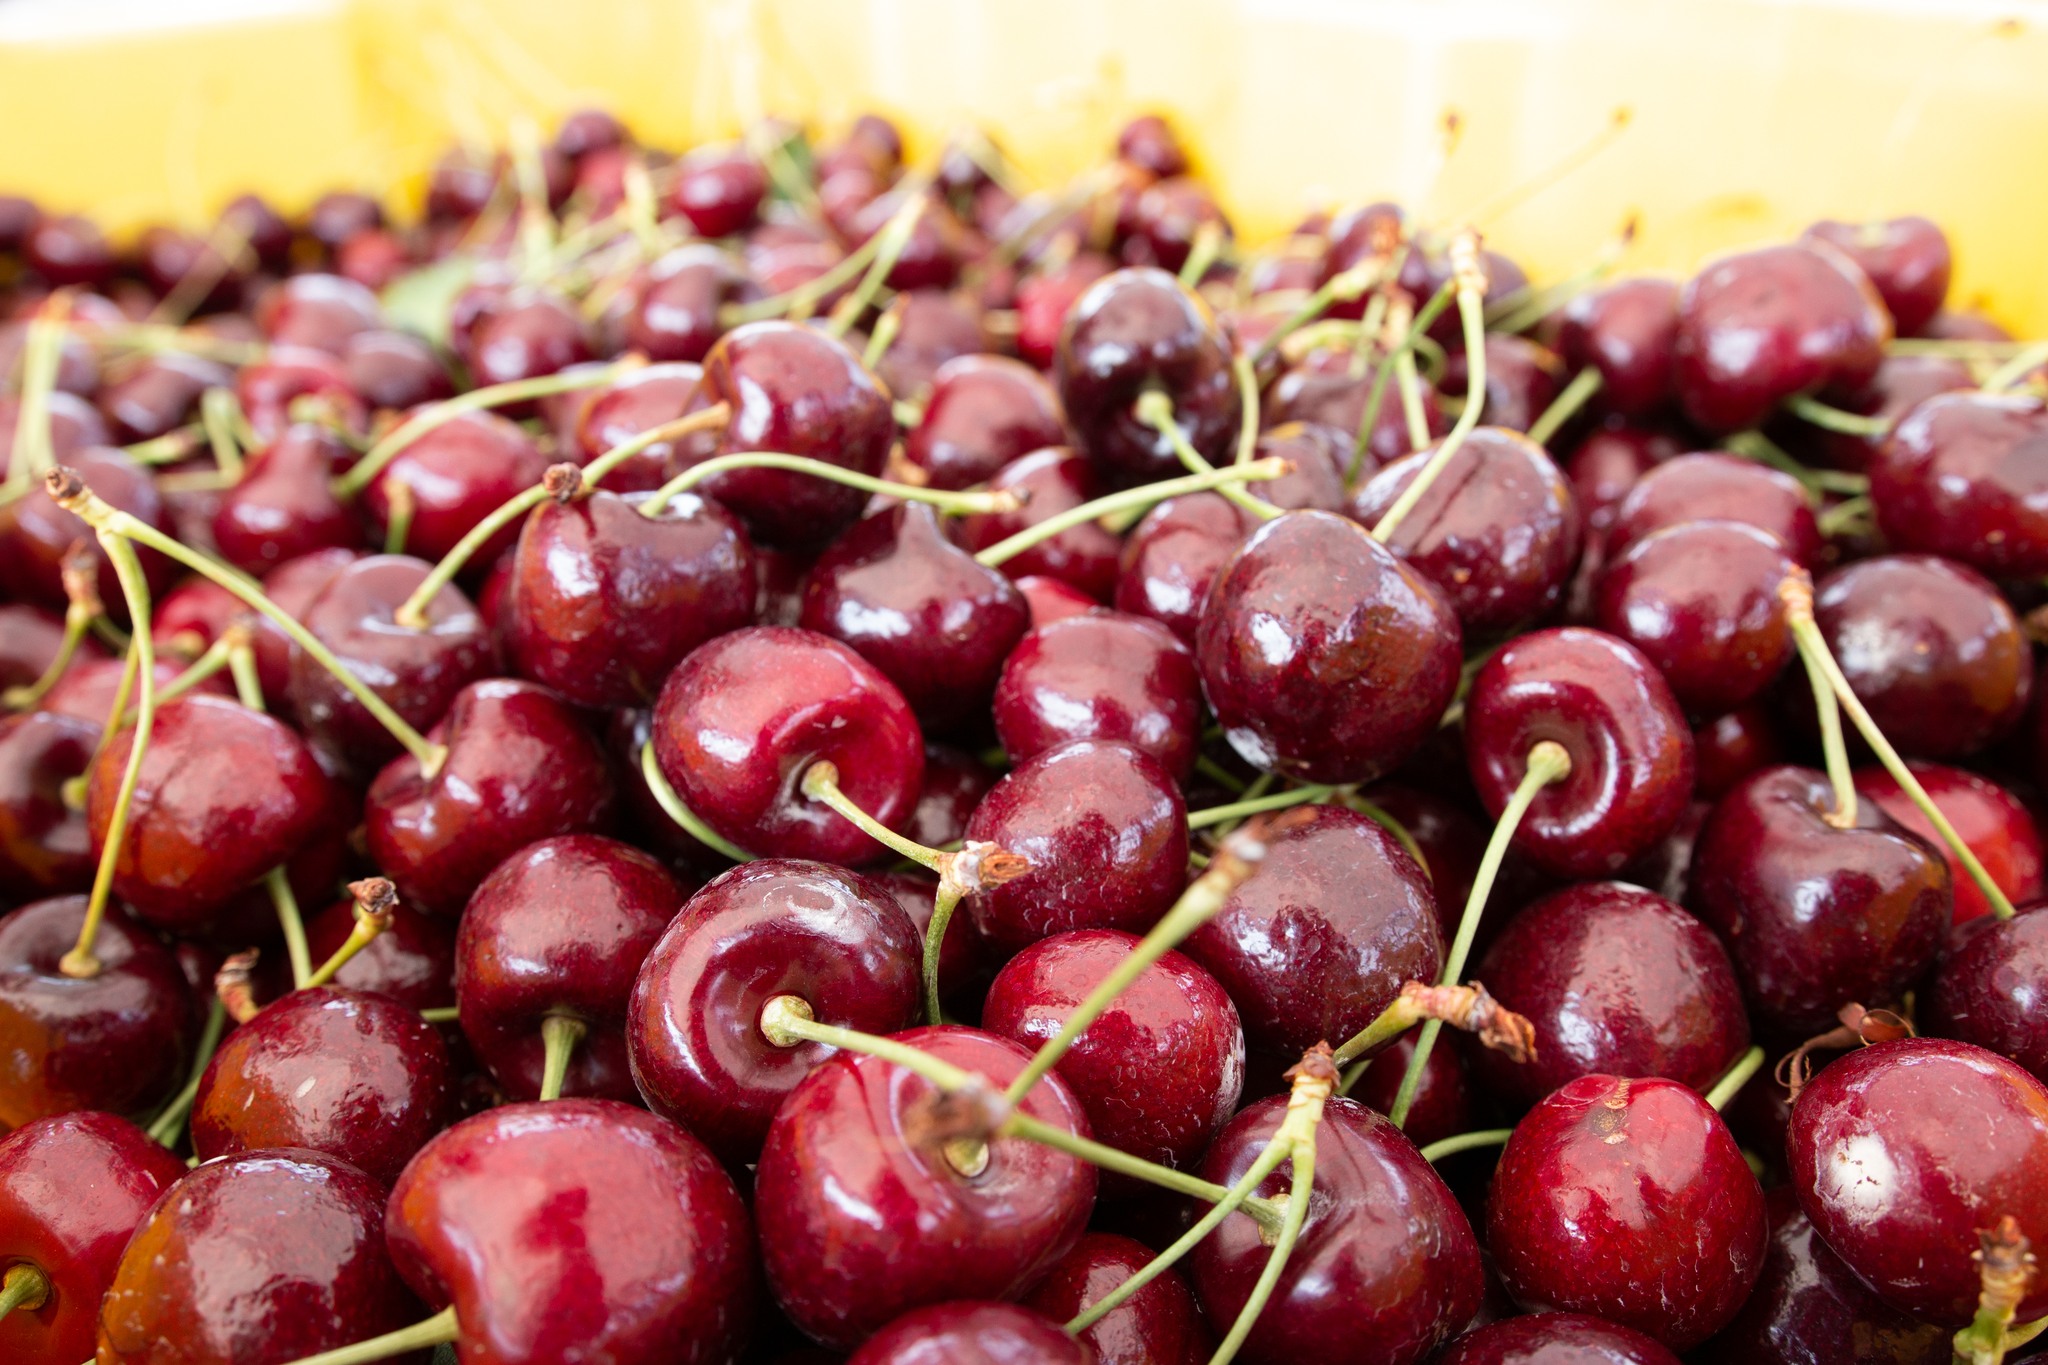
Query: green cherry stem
{"type": "Point", "coordinates": [1465, 1142]}
{"type": "Point", "coordinates": [803, 300]}
{"type": "Point", "coordinates": [1734, 1078]}
{"type": "Point", "coordinates": [24, 1287]}
{"type": "Point", "coordinates": [672, 804]}
{"type": "Point", "coordinates": [1144, 496]}
{"type": "Point", "coordinates": [376, 899]}
{"type": "Point", "coordinates": [73, 496]}
{"type": "Point", "coordinates": [279, 885]}
{"type": "Point", "coordinates": [559, 1035]}
{"type": "Point", "coordinates": [957, 504]}
{"type": "Point", "coordinates": [166, 1126]}
{"type": "Point", "coordinates": [80, 961]}
{"type": "Point", "coordinates": [1547, 763]}
{"type": "Point", "coordinates": [893, 237]}
{"type": "Point", "coordinates": [1202, 253]}
{"type": "Point", "coordinates": [1248, 408]}
{"type": "Point", "coordinates": [441, 1014]}
{"type": "Point", "coordinates": [1468, 1007]}
{"type": "Point", "coordinates": [820, 783]}
{"type": "Point", "coordinates": [242, 668]}
{"type": "Point", "coordinates": [438, 1330]}
{"type": "Point", "coordinates": [2015, 369]}
{"type": "Point", "coordinates": [1810, 409]}
{"type": "Point", "coordinates": [1155, 410]}
{"type": "Point", "coordinates": [220, 414]}
{"type": "Point", "coordinates": [1584, 386]}
{"type": "Point", "coordinates": [1796, 593]}
{"type": "Point", "coordinates": [82, 606]}
{"type": "Point", "coordinates": [1343, 287]}
{"type": "Point", "coordinates": [882, 337]}
{"type": "Point", "coordinates": [1754, 445]}
{"type": "Point", "coordinates": [944, 901]}
{"type": "Point", "coordinates": [1470, 280]}
{"type": "Point", "coordinates": [365, 471]}
{"type": "Point", "coordinates": [1259, 805]}
{"type": "Point", "coordinates": [1413, 326]}
{"type": "Point", "coordinates": [1814, 645]}
{"type": "Point", "coordinates": [42, 349]}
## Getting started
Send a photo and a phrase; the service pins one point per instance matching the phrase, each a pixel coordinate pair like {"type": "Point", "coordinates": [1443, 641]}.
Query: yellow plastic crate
{"type": "Point", "coordinates": [1746, 119]}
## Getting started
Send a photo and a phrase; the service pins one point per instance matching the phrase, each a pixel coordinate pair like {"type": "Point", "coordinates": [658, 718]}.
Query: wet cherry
{"type": "Point", "coordinates": [1102, 675]}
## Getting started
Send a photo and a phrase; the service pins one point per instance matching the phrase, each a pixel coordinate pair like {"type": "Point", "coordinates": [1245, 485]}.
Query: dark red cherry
{"type": "Point", "coordinates": [1135, 331]}
{"type": "Point", "coordinates": [454, 477]}
{"type": "Point", "coordinates": [260, 1256]}
{"type": "Point", "coordinates": [1902, 383]}
{"type": "Point", "coordinates": [1995, 824]}
{"type": "Point", "coordinates": [1158, 1325]}
{"type": "Point", "coordinates": [1386, 1269]}
{"type": "Point", "coordinates": [283, 507]}
{"type": "Point", "coordinates": [1710, 487]}
{"type": "Point", "coordinates": [984, 412]}
{"type": "Point", "coordinates": [377, 258]}
{"type": "Point", "coordinates": [75, 425]}
{"type": "Point", "coordinates": [1730, 747]}
{"type": "Point", "coordinates": [1808, 1306]}
{"type": "Point", "coordinates": [29, 640]}
{"type": "Point", "coordinates": [835, 939]}
{"type": "Point", "coordinates": [159, 394]}
{"type": "Point", "coordinates": [225, 794]}
{"type": "Point", "coordinates": [1556, 1339]}
{"type": "Point", "coordinates": [861, 1221]}
{"type": "Point", "coordinates": [1966, 475]}
{"type": "Point", "coordinates": [1330, 387]}
{"type": "Point", "coordinates": [1319, 939]}
{"type": "Point", "coordinates": [263, 227]}
{"type": "Point", "coordinates": [936, 327]}
{"type": "Point", "coordinates": [1522, 379]}
{"type": "Point", "coordinates": [394, 370]}
{"type": "Point", "coordinates": [719, 190]}
{"type": "Point", "coordinates": [528, 332]}
{"type": "Point", "coordinates": [1990, 989]}
{"type": "Point", "coordinates": [560, 928]}
{"type": "Point", "coordinates": [1700, 600]}
{"type": "Point", "coordinates": [1758, 327]}
{"type": "Point", "coordinates": [1324, 656]}
{"type": "Point", "coordinates": [1631, 753]}
{"type": "Point", "coordinates": [1102, 675]}
{"type": "Point", "coordinates": [795, 390]}
{"type": "Point", "coordinates": [674, 317]}
{"type": "Point", "coordinates": [36, 534]}
{"type": "Point", "coordinates": [521, 766]}
{"type": "Point", "coordinates": [1444, 1099]}
{"type": "Point", "coordinates": [1907, 259]}
{"type": "Point", "coordinates": [1616, 980]}
{"type": "Point", "coordinates": [973, 1332]}
{"type": "Point", "coordinates": [268, 388]}
{"type": "Point", "coordinates": [1904, 1152]}
{"type": "Point", "coordinates": [412, 961]}
{"type": "Point", "coordinates": [964, 968]}
{"type": "Point", "coordinates": [45, 845]}
{"type": "Point", "coordinates": [1051, 600]}
{"type": "Point", "coordinates": [1165, 220]}
{"type": "Point", "coordinates": [1816, 917]}
{"type": "Point", "coordinates": [1932, 650]}
{"type": "Point", "coordinates": [1628, 1199]}
{"type": "Point", "coordinates": [339, 215]}
{"type": "Point", "coordinates": [954, 783]}
{"type": "Point", "coordinates": [72, 1190]}
{"type": "Point", "coordinates": [68, 249]}
{"type": "Point", "coordinates": [1105, 831]}
{"type": "Point", "coordinates": [577, 1226]}
{"type": "Point", "coordinates": [317, 311]}
{"type": "Point", "coordinates": [166, 258]}
{"type": "Point", "coordinates": [352, 1074]}
{"type": "Point", "coordinates": [87, 690]}
{"type": "Point", "coordinates": [589, 130]}
{"type": "Point", "coordinates": [1052, 481]}
{"type": "Point", "coordinates": [920, 609]}
{"type": "Point", "coordinates": [1627, 330]}
{"type": "Point", "coordinates": [1148, 142]}
{"type": "Point", "coordinates": [631, 404]}
{"type": "Point", "coordinates": [416, 672]}
{"type": "Point", "coordinates": [1160, 1072]}
{"type": "Point", "coordinates": [741, 720]}
{"type": "Point", "coordinates": [1450, 839]}
{"type": "Point", "coordinates": [604, 601]}
{"type": "Point", "coordinates": [1497, 531]}
{"type": "Point", "coordinates": [292, 586]}
{"type": "Point", "coordinates": [1172, 556]}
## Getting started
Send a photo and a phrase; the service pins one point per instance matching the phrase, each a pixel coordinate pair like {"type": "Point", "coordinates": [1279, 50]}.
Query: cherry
{"type": "Point", "coordinates": [1907, 260]}
{"type": "Point", "coordinates": [1323, 655]}
{"type": "Point", "coordinates": [263, 227]}
{"type": "Point", "coordinates": [225, 794]}
{"type": "Point", "coordinates": [1105, 831]}
{"type": "Point", "coordinates": [36, 534]}
{"type": "Point", "coordinates": [30, 639]}
{"type": "Point", "coordinates": [376, 259]}
{"type": "Point", "coordinates": [963, 975]}
{"type": "Point", "coordinates": [394, 370]}
{"type": "Point", "coordinates": [72, 1242]}
{"type": "Point", "coordinates": [1149, 143]}
{"type": "Point", "coordinates": [1386, 1268]}
{"type": "Point", "coordinates": [835, 939]}
{"type": "Point", "coordinates": [1555, 1339]}
{"type": "Point", "coordinates": [1631, 753]}
{"type": "Point", "coordinates": [934, 329]}
{"type": "Point", "coordinates": [412, 961]}
{"type": "Point", "coordinates": [1444, 1098]}
{"type": "Point", "coordinates": [1135, 331]}
{"type": "Point", "coordinates": [68, 249]}
{"type": "Point", "coordinates": [520, 766]}
{"type": "Point", "coordinates": [268, 389]}
{"type": "Point", "coordinates": [282, 508]}
{"type": "Point", "coordinates": [1318, 940]}
{"type": "Point", "coordinates": [972, 1333]}
{"type": "Point", "coordinates": [292, 586]}
{"type": "Point", "coordinates": [1158, 1073]}
{"type": "Point", "coordinates": [920, 609]}
{"type": "Point", "coordinates": [317, 311]}
{"type": "Point", "coordinates": [1961, 477]}
{"type": "Point", "coordinates": [352, 1074]}
{"type": "Point", "coordinates": [1051, 481]}
{"type": "Point", "coordinates": [719, 190]}
{"type": "Point", "coordinates": [954, 783]}
{"type": "Point", "coordinates": [1994, 823]}
{"type": "Point", "coordinates": [453, 477]}
{"type": "Point", "coordinates": [604, 600]}
{"type": "Point", "coordinates": [636, 401]}
{"type": "Point", "coordinates": [1497, 531]}
{"type": "Point", "coordinates": [521, 333]}
{"type": "Point", "coordinates": [674, 315]}
{"type": "Point", "coordinates": [1932, 650]}
{"type": "Point", "coordinates": [1758, 327]}
{"type": "Point", "coordinates": [1902, 383]}
{"type": "Point", "coordinates": [1617, 981]}
{"type": "Point", "coordinates": [1816, 916]}
{"type": "Point", "coordinates": [417, 672]}
{"type": "Point", "coordinates": [1904, 1152]}
{"type": "Point", "coordinates": [1102, 675]}
{"type": "Point", "coordinates": [1158, 1325]}
{"type": "Point", "coordinates": [1713, 487]}
{"type": "Point", "coordinates": [743, 718]}
{"type": "Point", "coordinates": [1523, 378]}
{"type": "Point", "coordinates": [984, 412]}
{"type": "Point", "coordinates": [45, 845]}
{"type": "Point", "coordinates": [339, 215]}
{"type": "Point", "coordinates": [1627, 331]}
{"type": "Point", "coordinates": [190, 269]}
{"type": "Point", "coordinates": [1172, 556]}
{"type": "Point", "coordinates": [1045, 297]}
{"type": "Point", "coordinates": [75, 425]}
{"type": "Point", "coordinates": [864, 1217]}
{"type": "Point", "coordinates": [798, 391]}
{"type": "Point", "coordinates": [1051, 600]}
{"type": "Point", "coordinates": [87, 690]}
{"type": "Point", "coordinates": [1730, 747]}
{"type": "Point", "coordinates": [1989, 990]}
{"type": "Point", "coordinates": [159, 394]}
{"type": "Point", "coordinates": [260, 1256]}
{"type": "Point", "coordinates": [1700, 600]}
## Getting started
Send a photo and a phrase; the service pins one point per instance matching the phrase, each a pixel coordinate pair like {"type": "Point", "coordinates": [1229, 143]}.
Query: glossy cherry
{"type": "Point", "coordinates": [317, 310]}
{"type": "Point", "coordinates": [1052, 481]}
{"type": "Point", "coordinates": [1903, 1152]}
{"type": "Point", "coordinates": [560, 928]}
{"type": "Point", "coordinates": [395, 370]}
{"type": "Point", "coordinates": [1105, 830]}
{"type": "Point", "coordinates": [1102, 675]}
{"type": "Point", "coordinates": [1444, 1101]}
{"type": "Point", "coordinates": [1330, 387]}
{"type": "Point", "coordinates": [36, 534]}
{"type": "Point", "coordinates": [1628, 331]}
{"type": "Point", "coordinates": [1731, 746]}
{"type": "Point", "coordinates": [935, 328]}
{"type": "Point", "coordinates": [1991, 988]}
{"type": "Point", "coordinates": [45, 845]}
{"type": "Point", "coordinates": [861, 1221]}
{"type": "Point", "coordinates": [1907, 259]}
{"type": "Point", "coordinates": [1816, 917]}
{"type": "Point", "coordinates": [1387, 1268]}
{"type": "Point", "coordinates": [674, 316]}
{"type": "Point", "coordinates": [835, 939]}
{"type": "Point", "coordinates": [1555, 1339]}
{"type": "Point", "coordinates": [1902, 383]}
{"type": "Point", "coordinates": [1962, 476]}
{"type": "Point", "coordinates": [1324, 656]}
{"type": "Point", "coordinates": [577, 1227]}
{"type": "Point", "coordinates": [1703, 487]}
{"type": "Point", "coordinates": [268, 389]}
{"type": "Point", "coordinates": [412, 961]}
{"type": "Point", "coordinates": [1159, 1325]}
{"type": "Point", "coordinates": [283, 507]}
{"type": "Point", "coordinates": [719, 190]}
{"type": "Point", "coordinates": [260, 1256]}
{"type": "Point", "coordinates": [30, 637]}
{"type": "Point", "coordinates": [1994, 823]}
{"type": "Point", "coordinates": [1172, 556]}
{"type": "Point", "coordinates": [954, 783]}
{"type": "Point", "coordinates": [159, 394]}
{"type": "Point", "coordinates": [984, 412]}
{"type": "Point", "coordinates": [520, 766]}
{"type": "Point", "coordinates": [971, 1332]}
{"type": "Point", "coordinates": [454, 476]}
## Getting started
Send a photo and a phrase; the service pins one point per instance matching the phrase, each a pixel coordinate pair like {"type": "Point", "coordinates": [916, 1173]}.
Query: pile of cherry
{"type": "Point", "coordinates": [888, 768]}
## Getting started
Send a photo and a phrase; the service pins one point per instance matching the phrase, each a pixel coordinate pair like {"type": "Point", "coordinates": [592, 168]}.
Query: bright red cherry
{"type": "Point", "coordinates": [1992, 986]}
{"type": "Point", "coordinates": [972, 1333]}
{"type": "Point", "coordinates": [1103, 675]}
{"type": "Point", "coordinates": [1995, 824]}
{"type": "Point", "coordinates": [1962, 476]}
{"type": "Point", "coordinates": [453, 477]}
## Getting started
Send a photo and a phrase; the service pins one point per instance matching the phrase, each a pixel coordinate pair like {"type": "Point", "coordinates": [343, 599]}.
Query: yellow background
{"type": "Point", "coordinates": [1746, 118]}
